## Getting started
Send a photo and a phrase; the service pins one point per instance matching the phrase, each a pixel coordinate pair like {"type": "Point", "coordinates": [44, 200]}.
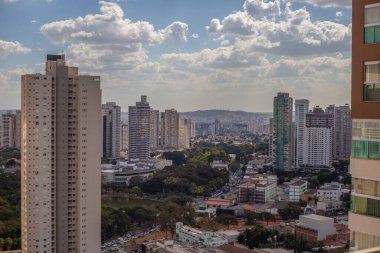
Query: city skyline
{"type": "Point", "coordinates": [166, 52]}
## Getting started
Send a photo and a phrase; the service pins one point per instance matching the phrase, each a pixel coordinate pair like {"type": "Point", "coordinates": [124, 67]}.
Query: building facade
{"type": "Point", "coordinates": [342, 131]}
{"type": "Point", "coordinates": [282, 132]}
{"type": "Point", "coordinates": [139, 130]}
{"type": "Point", "coordinates": [154, 129]}
{"type": "Point", "coordinates": [60, 160]}
{"type": "Point", "coordinates": [10, 130]}
{"type": "Point", "coordinates": [111, 130]}
{"type": "Point", "coordinates": [192, 235]}
{"type": "Point", "coordinates": [364, 218]}
{"type": "Point", "coordinates": [296, 189]}
{"type": "Point", "coordinates": [302, 108]}
{"type": "Point", "coordinates": [170, 129]}
{"type": "Point", "coordinates": [184, 133]}
{"type": "Point", "coordinates": [124, 136]}
{"type": "Point", "coordinates": [318, 138]}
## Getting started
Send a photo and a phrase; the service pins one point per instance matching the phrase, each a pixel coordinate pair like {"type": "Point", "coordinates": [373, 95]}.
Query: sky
{"type": "Point", "coordinates": [185, 54]}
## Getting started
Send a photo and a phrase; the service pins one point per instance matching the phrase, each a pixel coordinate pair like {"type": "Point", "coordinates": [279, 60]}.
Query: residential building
{"type": "Point", "coordinates": [111, 130]}
{"type": "Point", "coordinates": [282, 132]}
{"type": "Point", "coordinates": [192, 235]}
{"type": "Point", "coordinates": [154, 129]}
{"type": "Point", "coordinates": [341, 143]}
{"type": "Point", "coordinates": [329, 205]}
{"type": "Point", "coordinates": [10, 129]}
{"type": "Point", "coordinates": [139, 130]}
{"type": "Point", "coordinates": [364, 218]}
{"type": "Point", "coordinates": [193, 129]}
{"type": "Point", "coordinates": [296, 189]}
{"type": "Point", "coordinates": [318, 138]}
{"type": "Point", "coordinates": [217, 127]}
{"type": "Point", "coordinates": [124, 136]}
{"type": "Point", "coordinates": [170, 129]}
{"type": "Point", "coordinates": [177, 246]}
{"type": "Point", "coordinates": [259, 190]}
{"type": "Point", "coordinates": [184, 132]}
{"type": "Point", "coordinates": [330, 191]}
{"type": "Point", "coordinates": [315, 228]}
{"type": "Point", "coordinates": [302, 108]}
{"type": "Point", "coordinates": [60, 160]}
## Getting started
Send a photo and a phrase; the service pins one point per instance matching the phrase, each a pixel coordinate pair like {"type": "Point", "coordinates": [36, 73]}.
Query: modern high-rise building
{"type": "Point", "coordinates": [184, 133]}
{"type": "Point", "coordinates": [342, 131]}
{"type": "Point", "coordinates": [301, 107]}
{"type": "Point", "coordinates": [193, 129]}
{"type": "Point", "coordinates": [154, 129]}
{"type": "Point", "coordinates": [124, 136]}
{"type": "Point", "coordinates": [111, 130]}
{"type": "Point", "coordinates": [364, 218]}
{"type": "Point", "coordinates": [282, 131]}
{"type": "Point", "coordinates": [139, 130]}
{"type": "Point", "coordinates": [170, 129]}
{"type": "Point", "coordinates": [318, 138]}
{"type": "Point", "coordinates": [10, 130]}
{"type": "Point", "coordinates": [60, 160]}
{"type": "Point", "coordinates": [217, 127]}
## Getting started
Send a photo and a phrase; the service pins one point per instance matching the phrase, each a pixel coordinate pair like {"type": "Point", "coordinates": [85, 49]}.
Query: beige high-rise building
{"type": "Point", "coordinates": [184, 133]}
{"type": "Point", "coordinates": [60, 161]}
{"type": "Point", "coordinates": [154, 128]}
{"type": "Point", "coordinates": [170, 129]}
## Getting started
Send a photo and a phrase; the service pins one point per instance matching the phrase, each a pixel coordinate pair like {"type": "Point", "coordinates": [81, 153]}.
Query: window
{"type": "Point", "coordinates": [365, 149]}
{"type": "Point", "coordinates": [366, 206]}
{"type": "Point", "coordinates": [372, 24]}
{"type": "Point", "coordinates": [372, 81]}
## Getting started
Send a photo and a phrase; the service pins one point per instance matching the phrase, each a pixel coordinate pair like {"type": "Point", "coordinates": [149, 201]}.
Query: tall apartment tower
{"type": "Point", "coordinates": [301, 107]}
{"type": "Point", "coordinates": [10, 130]}
{"type": "Point", "coordinates": [170, 129]}
{"type": "Point", "coordinates": [60, 160]}
{"type": "Point", "coordinates": [139, 130]}
{"type": "Point", "coordinates": [318, 138]}
{"type": "Point", "coordinates": [124, 136]}
{"type": "Point", "coordinates": [342, 131]}
{"type": "Point", "coordinates": [193, 128]}
{"type": "Point", "coordinates": [111, 130]}
{"type": "Point", "coordinates": [154, 129]}
{"type": "Point", "coordinates": [184, 133]}
{"type": "Point", "coordinates": [364, 218]}
{"type": "Point", "coordinates": [282, 131]}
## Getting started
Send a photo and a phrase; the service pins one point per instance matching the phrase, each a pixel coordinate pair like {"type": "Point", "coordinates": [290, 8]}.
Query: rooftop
{"type": "Point", "coordinates": [299, 183]}
{"type": "Point", "coordinates": [316, 217]}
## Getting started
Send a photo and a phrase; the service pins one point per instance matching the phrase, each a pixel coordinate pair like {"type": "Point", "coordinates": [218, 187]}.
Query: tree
{"type": "Point", "coordinates": [136, 181]}
{"type": "Point", "coordinates": [227, 219]}
{"type": "Point", "coordinates": [8, 243]}
{"type": "Point", "coordinates": [2, 242]}
{"type": "Point", "coordinates": [178, 157]}
{"type": "Point", "coordinates": [136, 190]}
{"type": "Point", "coordinates": [291, 212]}
{"type": "Point", "coordinates": [257, 237]}
{"type": "Point", "coordinates": [265, 216]}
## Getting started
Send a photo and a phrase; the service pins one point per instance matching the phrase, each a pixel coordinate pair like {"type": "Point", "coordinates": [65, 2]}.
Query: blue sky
{"type": "Point", "coordinates": [185, 54]}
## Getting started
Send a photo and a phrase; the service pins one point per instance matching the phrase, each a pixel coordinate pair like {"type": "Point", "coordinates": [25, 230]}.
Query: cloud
{"type": "Point", "coordinates": [11, 47]}
{"type": "Point", "coordinates": [339, 14]}
{"type": "Point", "coordinates": [327, 3]}
{"type": "Point", "coordinates": [292, 33]}
{"type": "Point", "coordinates": [7, 1]}
{"type": "Point", "coordinates": [33, 21]}
{"type": "Point", "coordinates": [110, 26]}
{"type": "Point", "coordinates": [195, 36]}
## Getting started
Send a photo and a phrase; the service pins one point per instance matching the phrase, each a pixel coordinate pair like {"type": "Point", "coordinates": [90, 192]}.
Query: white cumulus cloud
{"type": "Point", "coordinates": [10, 47]}
{"type": "Point", "coordinates": [327, 3]}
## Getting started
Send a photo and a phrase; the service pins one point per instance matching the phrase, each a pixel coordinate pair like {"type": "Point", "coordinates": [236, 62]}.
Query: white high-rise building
{"type": "Point", "coordinates": [60, 160]}
{"type": "Point", "coordinates": [111, 130]}
{"type": "Point", "coordinates": [319, 135]}
{"type": "Point", "coordinates": [10, 129]}
{"type": "Point", "coordinates": [154, 129]}
{"type": "Point", "coordinates": [139, 130]}
{"type": "Point", "coordinates": [302, 107]}
{"type": "Point", "coordinates": [193, 130]}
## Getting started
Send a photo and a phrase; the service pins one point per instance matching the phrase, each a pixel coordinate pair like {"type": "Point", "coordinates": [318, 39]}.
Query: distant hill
{"type": "Point", "coordinates": [227, 116]}
{"type": "Point", "coordinates": [209, 116]}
